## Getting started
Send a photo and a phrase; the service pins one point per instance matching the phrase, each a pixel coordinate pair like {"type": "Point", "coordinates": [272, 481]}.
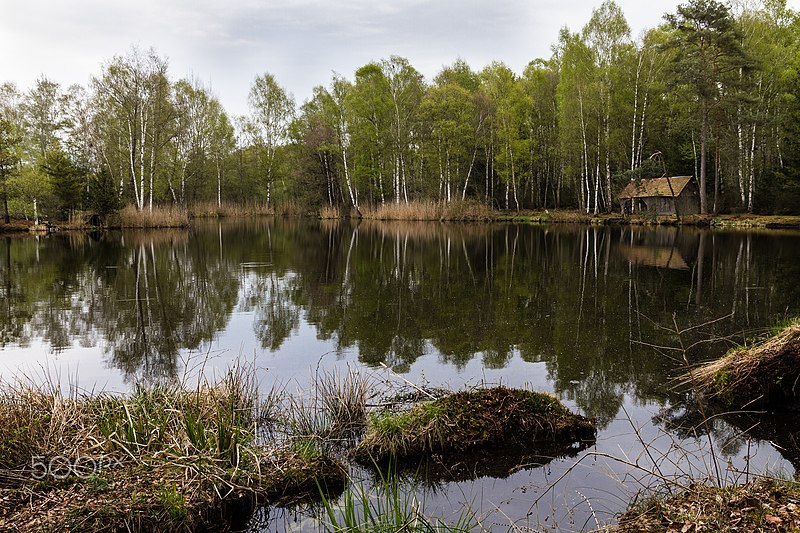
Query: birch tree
{"type": "Point", "coordinates": [132, 94]}
{"type": "Point", "coordinates": [608, 36]}
{"type": "Point", "coordinates": [271, 109]}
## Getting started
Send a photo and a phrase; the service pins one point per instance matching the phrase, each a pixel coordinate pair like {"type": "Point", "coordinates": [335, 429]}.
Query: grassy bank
{"type": "Point", "coordinates": [163, 457]}
{"type": "Point", "coordinates": [719, 221]}
{"type": "Point", "coordinates": [458, 211]}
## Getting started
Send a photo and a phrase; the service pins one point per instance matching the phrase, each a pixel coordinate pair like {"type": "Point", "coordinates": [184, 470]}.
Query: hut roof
{"type": "Point", "coordinates": [656, 187]}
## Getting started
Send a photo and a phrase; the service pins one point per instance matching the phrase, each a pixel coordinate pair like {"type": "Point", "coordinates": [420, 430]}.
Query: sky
{"type": "Point", "coordinates": [227, 43]}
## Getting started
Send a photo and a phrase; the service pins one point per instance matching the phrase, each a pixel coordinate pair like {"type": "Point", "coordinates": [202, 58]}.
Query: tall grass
{"type": "Point", "coordinates": [158, 217]}
{"type": "Point", "coordinates": [430, 210]}
{"type": "Point", "coordinates": [172, 456]}
{"type": "Point", "coordinates": [330, 212]}
{"type": "Point", "coordinates": [165, 421]}
{"type": "Point", "coordinates": [336, 409]}
{"type": "Point", "coordinates": [292, 208]}
{"type": "Point", "coordinates": [231, 209]}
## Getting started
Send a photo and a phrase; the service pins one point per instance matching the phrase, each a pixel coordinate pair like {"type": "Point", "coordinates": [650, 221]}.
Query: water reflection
{"type": "Point", "coordinates": [587, 302]}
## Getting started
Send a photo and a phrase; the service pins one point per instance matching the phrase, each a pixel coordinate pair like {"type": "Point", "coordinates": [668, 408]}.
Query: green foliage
{"type": "Point", "coordinates": [103, 197]}
{"type": "Point", "coordinates": [10, 141]}
{"type": "Point", "coordinates": [67, 180]}
{"type": "Point", "coordinates": [172, 503]}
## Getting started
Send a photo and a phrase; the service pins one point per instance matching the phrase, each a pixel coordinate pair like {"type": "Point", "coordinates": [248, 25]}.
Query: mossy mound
{"type": "Point", "coordinates": [468, 420]}
{"type": "Point", "coordinates": [766, 505]}
{"type": "Point", "coordinates": [767, 374]}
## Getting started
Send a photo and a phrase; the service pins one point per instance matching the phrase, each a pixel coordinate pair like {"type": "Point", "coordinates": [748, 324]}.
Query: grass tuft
{"type": "Point", "coordinates": [767, 373]}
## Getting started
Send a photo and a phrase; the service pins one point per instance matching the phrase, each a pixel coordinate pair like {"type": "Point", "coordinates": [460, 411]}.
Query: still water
{"type": "Point", "coordinates": [589, 314]}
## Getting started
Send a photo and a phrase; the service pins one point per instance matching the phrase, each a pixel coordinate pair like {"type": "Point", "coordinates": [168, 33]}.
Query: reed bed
{"type": "Point", "coordinates": [158, 217]}
{"type": "Point", "coordinates": [292, 208]}
{"type": "Point", "coordinates": [430, 210]}
{"type": "Point", "coordinates": [166, 456]}
{"type": "Point", "coordinates": [330, 212]}
{"type": "Point", "coordinates": [231, 210]}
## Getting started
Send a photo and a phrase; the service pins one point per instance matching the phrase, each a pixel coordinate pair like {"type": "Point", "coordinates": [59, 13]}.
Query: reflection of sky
{"type": "Point", "coordinates": [77, 365]}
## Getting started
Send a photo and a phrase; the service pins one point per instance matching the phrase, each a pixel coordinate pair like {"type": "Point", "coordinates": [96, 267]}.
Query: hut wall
{"type": "Point", "coordinates": [660, 205]}
{"type": "Point", "coordinates": [689, 200]}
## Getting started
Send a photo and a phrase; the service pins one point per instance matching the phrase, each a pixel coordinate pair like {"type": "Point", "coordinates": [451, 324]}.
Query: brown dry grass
{"type": "Point", "coordinates": [763, 374]}
{"type": "Point", "coordinates": [171, 456]}
{"type": "Point", "coordinates": [230, 209]}
{"type": "Point", "coordinates": [330, 212]}
{"type": "Point", "coordinates": [15, 226]}
{"type": "Point", "coordinates": [158, 217]}
{"type": "Point", "coordinates": [761, 506]}
{"type": "Point", "coordinates": [429, 210]}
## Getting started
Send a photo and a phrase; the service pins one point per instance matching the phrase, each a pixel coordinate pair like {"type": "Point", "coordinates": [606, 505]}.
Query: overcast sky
{"type": "Point", "coordinates": [226, 43]}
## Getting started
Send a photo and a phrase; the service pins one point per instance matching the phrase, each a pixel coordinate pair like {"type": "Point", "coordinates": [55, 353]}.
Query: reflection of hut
{"type": "Point", "coordinates": [657, 256]}
{"type": "Point", "coordinates": [661, 196]}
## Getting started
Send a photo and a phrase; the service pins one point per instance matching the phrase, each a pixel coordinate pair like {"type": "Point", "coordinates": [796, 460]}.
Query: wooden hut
{"type": "Point", "coordinates": [661, 196]}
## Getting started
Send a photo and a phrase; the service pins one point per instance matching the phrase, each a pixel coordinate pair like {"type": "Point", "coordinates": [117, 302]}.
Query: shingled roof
{"type": "Point", "coordinates": [655, 187]}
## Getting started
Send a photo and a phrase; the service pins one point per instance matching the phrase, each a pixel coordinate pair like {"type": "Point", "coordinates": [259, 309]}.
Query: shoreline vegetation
{"type": "Point", "coordinates": [467, 211]}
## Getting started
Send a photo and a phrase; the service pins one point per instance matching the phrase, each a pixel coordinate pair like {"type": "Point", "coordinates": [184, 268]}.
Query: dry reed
{"type": "Point", "coordinates": [157, 217]}
{"type": "Point", "coordinates": [430, 210]}
{"type": "Point", "coordinates": [164, 456]}
{"type": "Point", "coordinates": [231, 210]}
{"type": "Point", "coordinates": [763, 374]}
{"type": "Point", "coordinates": [330, 212]}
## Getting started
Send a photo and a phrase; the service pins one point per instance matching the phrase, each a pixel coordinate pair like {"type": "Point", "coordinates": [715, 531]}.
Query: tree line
{"type": "Point", "coordinates": [711, 92]}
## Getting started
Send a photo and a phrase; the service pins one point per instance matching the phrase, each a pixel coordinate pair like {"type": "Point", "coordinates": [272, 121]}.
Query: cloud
{"type": "Point", "coordinates": [301, 42]}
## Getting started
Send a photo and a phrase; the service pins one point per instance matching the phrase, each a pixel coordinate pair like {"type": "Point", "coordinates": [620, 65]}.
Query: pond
{"type": "Point", "coordinates": [604, 318]}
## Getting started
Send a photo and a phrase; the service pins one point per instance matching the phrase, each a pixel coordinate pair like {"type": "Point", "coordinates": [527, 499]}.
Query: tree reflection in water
{"type": "Point", "coordinates": [584, 302]}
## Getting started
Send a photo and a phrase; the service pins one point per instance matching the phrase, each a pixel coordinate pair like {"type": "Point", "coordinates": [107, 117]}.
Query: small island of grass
{"type": "Point", "coordinates": [469, 420]}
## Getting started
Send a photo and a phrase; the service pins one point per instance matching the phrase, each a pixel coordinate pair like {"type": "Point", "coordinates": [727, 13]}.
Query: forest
{"type": "Point", "coordinates": [712, 92]}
